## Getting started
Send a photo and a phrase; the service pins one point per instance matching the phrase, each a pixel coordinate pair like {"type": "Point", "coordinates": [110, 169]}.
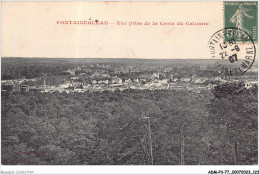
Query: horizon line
{"type": "Point", "coordinates": [111, 58]}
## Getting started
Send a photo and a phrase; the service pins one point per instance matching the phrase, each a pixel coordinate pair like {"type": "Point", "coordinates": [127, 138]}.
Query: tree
{"type": "Point", "coordinates": [233, 118]}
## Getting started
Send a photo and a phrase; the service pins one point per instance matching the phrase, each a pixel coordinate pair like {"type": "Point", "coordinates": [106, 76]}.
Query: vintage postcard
{"type": "Point", "coordinates": [129, 83]}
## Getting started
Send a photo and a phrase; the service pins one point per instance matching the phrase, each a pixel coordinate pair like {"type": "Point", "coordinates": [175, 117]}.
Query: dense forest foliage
{"type": "Point", "coordinates": [218, 127]}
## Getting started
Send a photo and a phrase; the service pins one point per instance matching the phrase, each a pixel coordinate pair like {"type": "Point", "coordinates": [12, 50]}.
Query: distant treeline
{"type": "Point", "coordinates": [16, 68]}
{"type": "Point", "coordinates": [117, 60]}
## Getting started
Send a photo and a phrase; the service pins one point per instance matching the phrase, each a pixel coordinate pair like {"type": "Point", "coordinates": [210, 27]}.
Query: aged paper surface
{"type": "Point", "coordinates": [35, 32]}
{"type": "Point", "coordinates": [130, 83]}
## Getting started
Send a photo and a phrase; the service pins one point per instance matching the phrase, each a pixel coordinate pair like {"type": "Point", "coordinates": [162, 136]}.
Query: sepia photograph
{"type": "Point", "coordinates": [111, 83]}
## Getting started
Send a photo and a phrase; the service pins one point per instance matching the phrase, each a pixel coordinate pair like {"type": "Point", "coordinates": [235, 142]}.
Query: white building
{"type": "Point", "coordinates": [164, 81]}
{"type": "Point", "coordinates": [66, 85]}
{"type": "Point", "coordinates": [136, 80]}
{"type": "Point", "coordinates": [128, 81]}
{"type": "Point", "coordinates": [155, 75]}
{"type": "Point", "coordinates": [186, 79]}
{"type": "Point", "coordinates": [116, 80]}
{"type": "Point", "coordinates": [94, 82]}
{"type": "Point", "coordinates": [198, 81]}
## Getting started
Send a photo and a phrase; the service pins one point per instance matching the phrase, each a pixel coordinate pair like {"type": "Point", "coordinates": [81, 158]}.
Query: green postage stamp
{"type": "Point", "coordinates": [243, 16]}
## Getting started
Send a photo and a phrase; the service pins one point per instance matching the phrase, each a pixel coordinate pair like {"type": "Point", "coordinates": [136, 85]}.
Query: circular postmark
{"type": "Point", "coordinates": [233, 49]}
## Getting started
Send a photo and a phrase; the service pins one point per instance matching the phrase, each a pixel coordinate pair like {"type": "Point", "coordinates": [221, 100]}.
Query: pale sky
{"type": "Point", "coordinates": [30, 29]}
